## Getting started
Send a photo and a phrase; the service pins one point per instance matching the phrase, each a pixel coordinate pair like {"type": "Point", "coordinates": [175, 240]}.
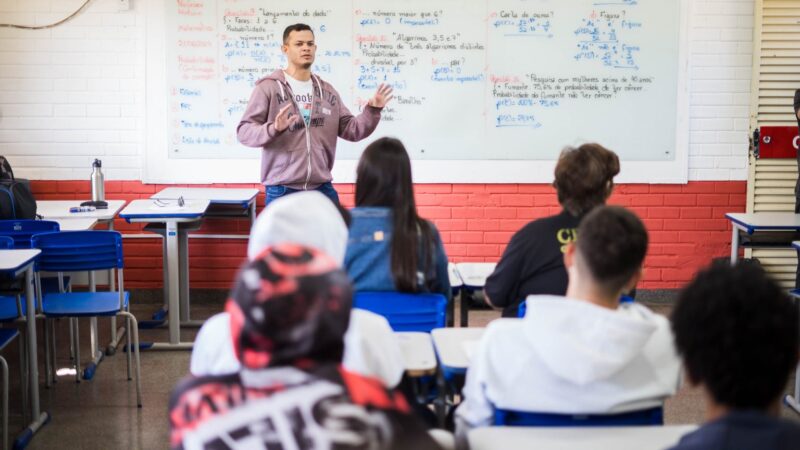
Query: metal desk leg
{"type": "Point", "coordinates": [173, 268]}
{"type": "Point", "coordinates": [39, 418]}
{"type": "Point", "coordinates": [465, 295]}
{"type": "Point", "coordinates": [183, 264]}
{"type": "Point", "coordinates": [734, 244]}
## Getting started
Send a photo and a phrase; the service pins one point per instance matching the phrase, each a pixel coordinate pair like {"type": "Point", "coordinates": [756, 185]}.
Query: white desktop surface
{"type": "Point", "coordinates": [475, 274]}
{"type": "Point", "coordinates": [147, 209]}
{"type": "Point", "coordinates": [215, 195]}
{"type": "Point", "coordinates": [578, 438]}
{"type": "Point", "coordinates": [418, 356]}
{"type": "Point", "coordinates": [455, 278]}
{"type": "Point", "coordinates": [450, 344]}
{"type": "Point", "coordinates": [13, 260]}
{"type": "Point", "coordinates": [76, 224]}
{"type": "Point", "coordinates": [778, 220]}
{"type": "Point", "coordinates": [59, 209]}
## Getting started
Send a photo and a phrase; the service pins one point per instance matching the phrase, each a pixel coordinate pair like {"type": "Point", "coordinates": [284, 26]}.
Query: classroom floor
{"type": "Point", "coordinates": [102, 413]}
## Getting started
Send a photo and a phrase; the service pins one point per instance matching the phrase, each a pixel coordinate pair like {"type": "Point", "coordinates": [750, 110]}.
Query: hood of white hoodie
{"type": "Point", "coordinates": [582, 342]}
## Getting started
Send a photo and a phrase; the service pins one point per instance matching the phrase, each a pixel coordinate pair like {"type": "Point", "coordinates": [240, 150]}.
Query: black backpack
{"type": "Point", "coordinates": [16, 199]}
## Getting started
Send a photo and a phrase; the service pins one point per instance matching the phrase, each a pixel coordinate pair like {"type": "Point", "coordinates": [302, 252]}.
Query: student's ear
{"type": "Point", "coordinates": [569, 255]}
{"type": "Point", "coordinates": [634, 280]}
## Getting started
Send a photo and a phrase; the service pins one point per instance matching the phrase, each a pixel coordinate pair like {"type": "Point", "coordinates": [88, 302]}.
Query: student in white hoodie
{"type": "Point", "coordinates": [311, 219]}
{"type": "Point", "coordinates": [583, 353]}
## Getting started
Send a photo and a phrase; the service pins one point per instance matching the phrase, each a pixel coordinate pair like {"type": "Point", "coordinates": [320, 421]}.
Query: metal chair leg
{"type": "Point", "coordinates": [23, 375]}
{"type": "Point", "coordinates": [128, 345]}
{"type": "Point", "coordinates": [47, 362]}
{"type": "Point", "coordinates": [77, 345]}
{"type": "Point", "coordinates": [135, 331]}
{"type": "Point", "coordinates": [53, 350]}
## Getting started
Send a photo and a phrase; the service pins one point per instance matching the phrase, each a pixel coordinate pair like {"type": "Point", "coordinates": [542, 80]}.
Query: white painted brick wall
{"type": "Point", "coordinates": [72, 93]}
{"type": "Point", "coordinates": [720, 60]}
{"type": "Point", "coordinates": [76, 92]}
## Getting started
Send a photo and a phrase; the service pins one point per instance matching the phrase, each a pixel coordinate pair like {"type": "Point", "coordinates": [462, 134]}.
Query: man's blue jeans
{"type": "Point", "coordinates": [274, 192]}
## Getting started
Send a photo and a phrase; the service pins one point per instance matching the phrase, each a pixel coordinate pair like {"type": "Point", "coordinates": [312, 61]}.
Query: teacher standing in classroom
{"type": "Point", "coordinates": [295, 117]}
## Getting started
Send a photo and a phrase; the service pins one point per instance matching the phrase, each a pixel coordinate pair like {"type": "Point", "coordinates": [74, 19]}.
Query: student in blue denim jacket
{"type": "Point", "coordinates": [391, 248]}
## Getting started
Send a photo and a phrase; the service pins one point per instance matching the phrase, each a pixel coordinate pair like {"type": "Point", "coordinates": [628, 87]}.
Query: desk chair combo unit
{"type": "Point", "coordinates": [11, 311]}
{"type": "Point", "coordinates": [88, 251]}
{"type": "Point", "coordinates": [59, 210]}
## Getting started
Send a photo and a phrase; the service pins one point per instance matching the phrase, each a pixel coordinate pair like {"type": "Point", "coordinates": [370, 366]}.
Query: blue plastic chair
{"type": "Point", "coordinates": [86, 251]}
{"type": "Point", "coordinates": [651, 416]}
{"type": "Point", "coordinates": [21, 231]}
{"type": "Point", "coordinates": [405, 312]}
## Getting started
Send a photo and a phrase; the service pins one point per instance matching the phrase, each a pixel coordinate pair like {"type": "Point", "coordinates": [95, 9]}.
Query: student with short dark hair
{"type": "Point", "coordinates": [738, 335]}
{"type": "Point", "coordinates": [584, 353]}
{"type": "Point", "coordinates": [390, 247]}
{"type": "Point", "coordinates": [533, 263]}
{"type": "Point", "coordinates": [288, 313]}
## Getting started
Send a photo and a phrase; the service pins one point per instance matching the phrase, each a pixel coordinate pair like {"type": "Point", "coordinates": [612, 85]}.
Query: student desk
{"type": "Point", "coordinates": [224, 203]}
{"type": "Point", "coordinates": [473, 277]}
{"type": "Point", "coordinates": [419, 358]}
{"type": "Point", "coordinates": [454, 347]}
{"type": "Point", "coordinates": [767, 230]}
{"type": "Point", "coordinates": [13, 263]}
{"type": "Point", "coordinates": [170, 214]}
{"type": "Point", "coordinates": [578, 438]}
{"type": "Point", "coordinates": [80, 224]}
{"type": "Point", "coordinates": [455, 288]}
{"type": "Point", "coordinates": [59, 209]}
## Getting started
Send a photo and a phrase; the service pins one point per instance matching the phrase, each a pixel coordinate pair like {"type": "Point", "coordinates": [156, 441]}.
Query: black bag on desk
{"type": "Point", "coordinates": [16, 199]}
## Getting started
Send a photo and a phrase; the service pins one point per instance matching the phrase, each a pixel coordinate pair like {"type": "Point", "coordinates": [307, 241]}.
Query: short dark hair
{"type": "Point", "coordinates": [295, 27]}
{"type": "Point", "coordinates": [612, 244]}
{"type": "Point", "coordinates": [584, 177]}
{"type": "Point", "coordinates": [737, 332]}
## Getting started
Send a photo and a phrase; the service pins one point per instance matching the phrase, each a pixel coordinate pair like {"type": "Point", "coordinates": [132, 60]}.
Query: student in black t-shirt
{"type": "Point", "coordinates": [737, 333]}
{"type": "Point", "coordinates": [533, 262]}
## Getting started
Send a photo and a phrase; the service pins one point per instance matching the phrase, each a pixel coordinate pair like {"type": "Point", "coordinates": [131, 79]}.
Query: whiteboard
{"type": "Point", "coordinates": [485, 91]}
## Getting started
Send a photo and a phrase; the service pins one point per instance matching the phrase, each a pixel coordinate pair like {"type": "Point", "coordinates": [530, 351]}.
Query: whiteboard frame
{"type": "Point", "coordinates": [159, 168]}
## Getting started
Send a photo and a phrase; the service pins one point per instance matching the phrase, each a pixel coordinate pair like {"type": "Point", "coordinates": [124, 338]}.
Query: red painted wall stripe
{"type": "Point", "coordinates": [686, 223]}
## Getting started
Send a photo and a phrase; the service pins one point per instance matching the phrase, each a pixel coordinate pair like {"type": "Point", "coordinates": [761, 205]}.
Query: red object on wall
{"type": "Point", "coordinates": [686, 223]}
{"type": "Point", "coordinates": [778, 142]}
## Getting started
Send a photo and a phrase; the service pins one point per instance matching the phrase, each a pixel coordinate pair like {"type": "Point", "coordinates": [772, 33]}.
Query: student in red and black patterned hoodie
{"type": "Point", "coordinates": [289, 311]}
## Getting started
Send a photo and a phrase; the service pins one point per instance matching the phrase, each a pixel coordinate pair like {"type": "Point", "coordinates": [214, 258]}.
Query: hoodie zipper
{"type": "Point", "coordinates": [305, 127]}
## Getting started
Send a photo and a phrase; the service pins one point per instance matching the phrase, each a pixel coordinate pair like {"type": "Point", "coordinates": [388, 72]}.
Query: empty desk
{"type": "Point", "coordinates": [14, 263]}
{"type": "Point", "coordinates": [170, 214]}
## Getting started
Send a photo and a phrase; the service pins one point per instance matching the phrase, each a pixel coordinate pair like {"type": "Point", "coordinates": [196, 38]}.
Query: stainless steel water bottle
{"type": "Point", "coordinates": [98, 182]}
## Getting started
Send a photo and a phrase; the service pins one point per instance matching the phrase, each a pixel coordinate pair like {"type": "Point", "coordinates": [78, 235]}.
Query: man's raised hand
{"type": "Point", "coordinates": [381, 97]}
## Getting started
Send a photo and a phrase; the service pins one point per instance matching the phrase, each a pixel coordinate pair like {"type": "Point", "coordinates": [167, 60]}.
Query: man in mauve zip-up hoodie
{"type": "Point", "coordinates": [295, 118]}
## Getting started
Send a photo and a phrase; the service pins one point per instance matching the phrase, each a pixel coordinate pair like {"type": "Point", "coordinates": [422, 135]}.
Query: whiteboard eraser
{"type": "Point", "coordinates": [124, 5]}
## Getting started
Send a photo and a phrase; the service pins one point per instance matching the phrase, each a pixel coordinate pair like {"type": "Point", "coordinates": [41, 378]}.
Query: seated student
{"type": "Point", "coordinates": [390, 247]}
{"type": "Point", "coordinates": [288, 314]}
{"type": "Point", "coordinates": [737, 333]}
{"type": "Point", "coordinates": [584, 353]}
{"type": "Point", "coordinates": [533, 261]}
{"type": "Point", "coordinates": [311, 219]}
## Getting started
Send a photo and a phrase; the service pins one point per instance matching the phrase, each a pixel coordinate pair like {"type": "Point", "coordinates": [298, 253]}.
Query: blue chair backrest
{"type": "Point", "coordinates": [523, 306]}
{"type": "Point", "coordinates": [405, 312]}
{"type": "Point", "coordinates": [6, 243]}
{"type": "Point", "coordinates": [21, 231]}
{"type": "Point", "coordinates": [651, 416]}
{"type": "Point", "coordinates": [75, 251]}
